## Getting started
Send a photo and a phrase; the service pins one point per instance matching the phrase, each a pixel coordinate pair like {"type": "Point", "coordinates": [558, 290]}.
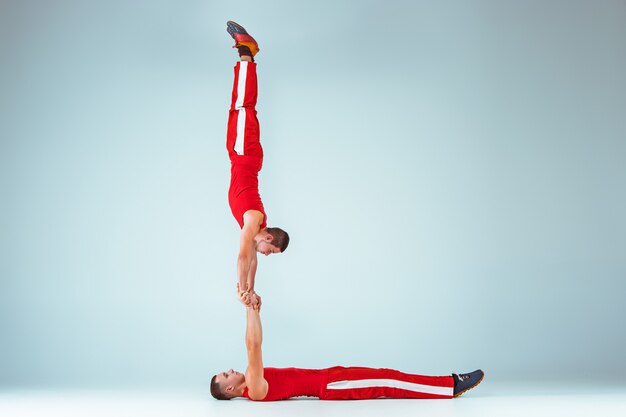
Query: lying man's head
{"type": "Point", "coordinates": [227, 385]}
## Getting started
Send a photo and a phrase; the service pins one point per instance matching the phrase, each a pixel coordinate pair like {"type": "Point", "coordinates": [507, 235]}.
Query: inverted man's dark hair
{"type": "Point", "coordinates": [280, 238]}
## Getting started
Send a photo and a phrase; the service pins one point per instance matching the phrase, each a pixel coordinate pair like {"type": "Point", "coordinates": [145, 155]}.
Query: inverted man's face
{"type": "Point", "coordinates": [266, 248]}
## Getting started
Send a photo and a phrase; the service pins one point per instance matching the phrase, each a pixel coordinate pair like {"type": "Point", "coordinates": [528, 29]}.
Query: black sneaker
{"type": "Point", "coordinates": [465, 382]}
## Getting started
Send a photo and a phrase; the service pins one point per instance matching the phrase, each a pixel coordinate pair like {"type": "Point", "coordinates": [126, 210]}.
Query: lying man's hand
{"type": "Point", "coordinates": [255, 301]}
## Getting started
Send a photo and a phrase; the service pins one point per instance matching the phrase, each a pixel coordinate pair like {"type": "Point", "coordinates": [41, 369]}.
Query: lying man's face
{"type": "Point", "coordinates": [229, 378]}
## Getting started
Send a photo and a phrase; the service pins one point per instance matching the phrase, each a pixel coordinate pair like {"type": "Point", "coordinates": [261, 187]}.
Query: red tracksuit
{"type": "Point", "coordinates": [244, 145]}
{"type": "Point", "coordinates": [339, 383]}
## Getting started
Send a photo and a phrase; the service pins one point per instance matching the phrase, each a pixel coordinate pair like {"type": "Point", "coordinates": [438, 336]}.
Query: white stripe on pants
{"type": "Point", "coordinates": [241, 115]}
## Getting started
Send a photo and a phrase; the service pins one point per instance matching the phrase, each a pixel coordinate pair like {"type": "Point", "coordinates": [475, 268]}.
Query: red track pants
{"type": "Point", "coordinates": [243, 135]}
{"type": "Point", "coordinates": [368, 383]}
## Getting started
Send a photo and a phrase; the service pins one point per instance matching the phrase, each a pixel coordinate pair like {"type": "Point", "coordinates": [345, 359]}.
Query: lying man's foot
{"type": "Point", "coordinates": [465, 382]}
{"type": "Point", "coordinates": [243, 41]}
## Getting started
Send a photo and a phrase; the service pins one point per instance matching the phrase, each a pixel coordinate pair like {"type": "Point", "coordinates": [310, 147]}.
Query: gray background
{"type": "Point", "coordinates": [451, 174]}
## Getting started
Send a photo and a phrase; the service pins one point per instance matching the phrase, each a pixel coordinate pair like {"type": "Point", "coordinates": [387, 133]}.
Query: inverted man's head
{"type": "Point", "coordinates": [272, 240]}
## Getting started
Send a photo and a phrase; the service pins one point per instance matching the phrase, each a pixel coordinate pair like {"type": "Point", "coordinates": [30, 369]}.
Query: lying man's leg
{"type": "Point", "coordinates": [357, 383]}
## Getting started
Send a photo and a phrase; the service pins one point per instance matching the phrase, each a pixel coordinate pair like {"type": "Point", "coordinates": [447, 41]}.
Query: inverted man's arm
{"type": "Point", "coordinates": [246, 261]}
{"type": "Point", "coordinates": [256, 383]}
{"type": "Point", "coordinates": [252, 273]}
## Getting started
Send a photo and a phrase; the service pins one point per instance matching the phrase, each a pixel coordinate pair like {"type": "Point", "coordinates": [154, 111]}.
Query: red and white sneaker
{"type": "Point", "coordinates": [242, 37]}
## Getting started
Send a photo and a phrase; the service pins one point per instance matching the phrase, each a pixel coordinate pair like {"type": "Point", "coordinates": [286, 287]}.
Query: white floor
{"type": "Point", "coordinates": [487, 400]}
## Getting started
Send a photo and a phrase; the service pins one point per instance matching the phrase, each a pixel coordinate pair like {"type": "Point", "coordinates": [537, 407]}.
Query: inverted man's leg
{"type": "Point", "coordinates": [243, 136]}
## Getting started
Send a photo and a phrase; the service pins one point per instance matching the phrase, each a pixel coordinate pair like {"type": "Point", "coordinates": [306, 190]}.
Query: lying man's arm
{"type": "Point", "coordinates": [256, 383]}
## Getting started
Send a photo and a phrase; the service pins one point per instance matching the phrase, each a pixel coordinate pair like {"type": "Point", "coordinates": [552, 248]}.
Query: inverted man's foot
{"type": "Point", "coordinates": [465, 382]}
{"type": "Point", "coordinates": [242, 38]}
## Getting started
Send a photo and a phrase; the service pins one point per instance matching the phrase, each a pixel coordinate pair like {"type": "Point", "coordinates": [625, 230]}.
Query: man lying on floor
{"type": "Point", "coordinates": [337, 383]}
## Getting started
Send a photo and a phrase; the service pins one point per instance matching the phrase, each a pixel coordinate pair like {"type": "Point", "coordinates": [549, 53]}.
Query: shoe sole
{"type": "Point", "coordinates": [233, 27]}
{"type": "Point", "coordinates": [467, 389]}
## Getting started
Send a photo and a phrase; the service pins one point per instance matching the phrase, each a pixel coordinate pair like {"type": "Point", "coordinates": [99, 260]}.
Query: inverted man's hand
{"type": "Point", "coordinates": [244, 295]}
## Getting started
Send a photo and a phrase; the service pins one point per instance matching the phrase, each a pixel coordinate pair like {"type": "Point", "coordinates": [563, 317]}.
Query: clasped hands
{"type": "Point", "coordinates": [249, 298]}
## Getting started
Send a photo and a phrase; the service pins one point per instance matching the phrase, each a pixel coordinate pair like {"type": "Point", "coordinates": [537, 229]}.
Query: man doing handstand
{"type": "Point", "coordinates": [246, 157]}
